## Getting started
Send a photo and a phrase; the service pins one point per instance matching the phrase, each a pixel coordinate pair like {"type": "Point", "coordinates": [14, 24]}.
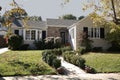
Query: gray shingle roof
{"type": "Point", "coordinates": [60, 22]}
{"type": "Point", "coordinates": [30, 24]}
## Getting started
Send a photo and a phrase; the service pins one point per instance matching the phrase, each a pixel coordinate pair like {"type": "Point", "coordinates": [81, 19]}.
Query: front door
{"type": "Point", "coordinates": [62, 34]}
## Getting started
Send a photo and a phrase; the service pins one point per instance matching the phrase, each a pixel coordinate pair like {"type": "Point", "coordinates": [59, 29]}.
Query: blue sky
{"type": "Point", "coordinates": [47, 8]}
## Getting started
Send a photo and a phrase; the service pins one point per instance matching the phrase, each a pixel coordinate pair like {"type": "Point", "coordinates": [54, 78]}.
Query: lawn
{"type": "Point", "coordinates": [101, 62]}
{"type": "Point", "coordinates": [23, 63]}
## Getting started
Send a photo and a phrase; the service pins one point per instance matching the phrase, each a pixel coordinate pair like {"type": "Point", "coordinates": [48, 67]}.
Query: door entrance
{"type": "Point", "coordinates": [62, 34]}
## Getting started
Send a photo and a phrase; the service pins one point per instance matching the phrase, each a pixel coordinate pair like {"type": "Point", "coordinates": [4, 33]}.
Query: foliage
{"type": "Point", "coordinates": [48, 43]}
{"type": "Point", "coordinates": [97, 49]}
{"type": "Point", "coordinates": [15, 13]}
{"type": "Point", "coordinates": [103, 62]}
{"type": "Point", "coordinates": [16, 63]}
{"type": "Point", "coordinates": [86, 42]}
{"type": "Point", "coordinates": [35, 18]}
{"type": "Point", "coordinates": [68, 17]}
{"type": "Point", "coordinates": [81, 50]}
{"type": "Point", "coordinates": [74, 59]}
{"type": "Point", "coordinates": [50, 58]}
{"type": "Point", "coordinates": [56, 63]}
{"type": "Point", "coordinates": [24, 47]}
{"type": "Point", "coordinates": [14, 42]}
{"type": "Point", "coordinates": [64, 49]}
{"type": "Point", "coordinates": [40, 45]}
{"type": "Point", "coordinates": [81, 17]}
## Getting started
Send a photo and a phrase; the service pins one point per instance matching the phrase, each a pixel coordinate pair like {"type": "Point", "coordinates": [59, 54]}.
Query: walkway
{"type": "Point", "coordinates": [2, 50]}
{"type": "Point", "coordinates": [74, 70]}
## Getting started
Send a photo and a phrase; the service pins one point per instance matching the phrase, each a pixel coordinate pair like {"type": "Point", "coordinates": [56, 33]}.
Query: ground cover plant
{"type": "Point", "coordinates": [23, 63]}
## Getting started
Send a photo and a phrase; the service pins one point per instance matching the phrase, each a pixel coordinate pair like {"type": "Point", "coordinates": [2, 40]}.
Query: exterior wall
{"type": "Point", "coordinates": [72, 37]}
{"type": "Point", "coordinates": [55, 32]}
{"type": "Point", "coordinates": [87, 22]}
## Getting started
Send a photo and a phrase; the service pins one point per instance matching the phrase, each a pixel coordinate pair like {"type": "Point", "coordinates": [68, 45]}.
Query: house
{"type": "Point", "coordinates": [96, 34]}
{"type": "Point", "coordinates": [36, 30]}
{"type": "Point", "coordinates": [69, 30]}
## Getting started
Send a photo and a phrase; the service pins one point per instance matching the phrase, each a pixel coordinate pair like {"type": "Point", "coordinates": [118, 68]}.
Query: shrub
{"type": "Point", "coordinates": [81, 50]}
{"type": "Point", "coordinates": [49, 43]}
{"type": "Point", "coordinates": [51, 59]}
{"type": "Point", "coordinates": [40, 45]}
{"type": "Point", "coordinates": [74, 59]}
{"type": "Point", "coordinates": [89, 69]}
{"type": "Point", "coordinates": [56, 63]}
{"type": "Point", "coordinates": [64, 49]}
{"type": "Point", "coordinates": [57, 52]}
{"type": "Point", "coordinates": [14, 41]}
{"type": "Point", "coordinates": [24, 47]}
{"type": "Point", "coordinates": [97, 49]}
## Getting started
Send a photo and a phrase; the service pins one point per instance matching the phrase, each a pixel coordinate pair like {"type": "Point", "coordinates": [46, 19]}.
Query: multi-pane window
{"type": "Point", "coordinates": [94, 32]}
{"type": "Point", "coordinates": [27, 37]}
{"type": "Point", "coordinates": [33, 34]}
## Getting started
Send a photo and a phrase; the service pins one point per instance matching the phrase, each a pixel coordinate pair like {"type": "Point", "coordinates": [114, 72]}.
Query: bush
{"type": "Point", "coordinates": [56, 63]}
{"type": "Point", "coordinates": [40, 45]}
{"type": "Point", "coordinates": [64, 49]}
{"type": "Point", "coordinates": [24, 47]}
{"type": "Point", "coordinates": [97, 49]}
{"type": "Point", "coordinates": [74, 59]}
{"type": "Point", "coordinates": [57, 52]}
{"type": "Point", "coordinates": [14, 42]}
{"type": "Point", "coordinates": [81, 50]}
{"type": "Point", "coordinates": [48, 43]}
{"type": "Point", "coordinates": [51, 59]}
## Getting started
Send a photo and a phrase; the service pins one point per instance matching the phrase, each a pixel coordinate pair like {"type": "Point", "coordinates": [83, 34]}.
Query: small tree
{"type": "Point", "coordinates": [68, 17]}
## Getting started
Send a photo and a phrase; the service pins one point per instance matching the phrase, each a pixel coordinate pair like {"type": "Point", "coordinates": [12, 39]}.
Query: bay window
{"type": "Point", "coordinates": [32, 34]}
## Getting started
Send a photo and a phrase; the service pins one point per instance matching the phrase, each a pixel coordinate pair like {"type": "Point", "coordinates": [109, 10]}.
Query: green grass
{"type": "Point", "coordinates": [23, 63]}
{"type": "Point", "coordinates": [101, 62]}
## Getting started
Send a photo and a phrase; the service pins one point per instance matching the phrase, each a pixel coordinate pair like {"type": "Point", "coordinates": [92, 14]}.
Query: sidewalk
{"type": "Point", "coordinates": [2, 50]}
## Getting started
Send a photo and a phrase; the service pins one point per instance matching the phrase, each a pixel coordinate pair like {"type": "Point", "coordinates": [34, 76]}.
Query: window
{"type": "Point", "coordinates": [94, 32]}
{"type": "Point", "coordinates": [27, 37]}
{"type": "Point", "coordinates": [32, 34]}
{"type": "Point", "coordinates": [16, 32]}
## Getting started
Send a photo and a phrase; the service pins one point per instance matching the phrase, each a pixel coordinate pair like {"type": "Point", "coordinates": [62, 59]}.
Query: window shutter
{"type": "Point", "coordinates": [43, 34]}
{"type": "Point", "coordinates": [102, 33]}
{"type": "Point", "coordinates": [16, 32]}
{"type": "Point", "coordinates": [85, 29]}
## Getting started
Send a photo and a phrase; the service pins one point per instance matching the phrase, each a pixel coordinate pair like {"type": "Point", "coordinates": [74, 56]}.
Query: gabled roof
{"type": "Point", "coordinates": [60, 22]}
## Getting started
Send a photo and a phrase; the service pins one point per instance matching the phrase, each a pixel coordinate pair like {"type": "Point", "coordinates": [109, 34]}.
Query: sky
{"type": "Point", "coordinates": [47, 8]}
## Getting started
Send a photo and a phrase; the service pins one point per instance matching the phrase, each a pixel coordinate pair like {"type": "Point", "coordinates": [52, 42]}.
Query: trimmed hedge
{"type": "Point", "coordinates": [71, 57]}
{"type": "Point", "coordinates": [51, 59]}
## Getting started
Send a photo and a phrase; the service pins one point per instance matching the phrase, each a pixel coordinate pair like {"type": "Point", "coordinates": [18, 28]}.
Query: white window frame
{"type": "Point", "coordinates": [30, 35]}
{"type": "Point", "coordinates": [95, 34]}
